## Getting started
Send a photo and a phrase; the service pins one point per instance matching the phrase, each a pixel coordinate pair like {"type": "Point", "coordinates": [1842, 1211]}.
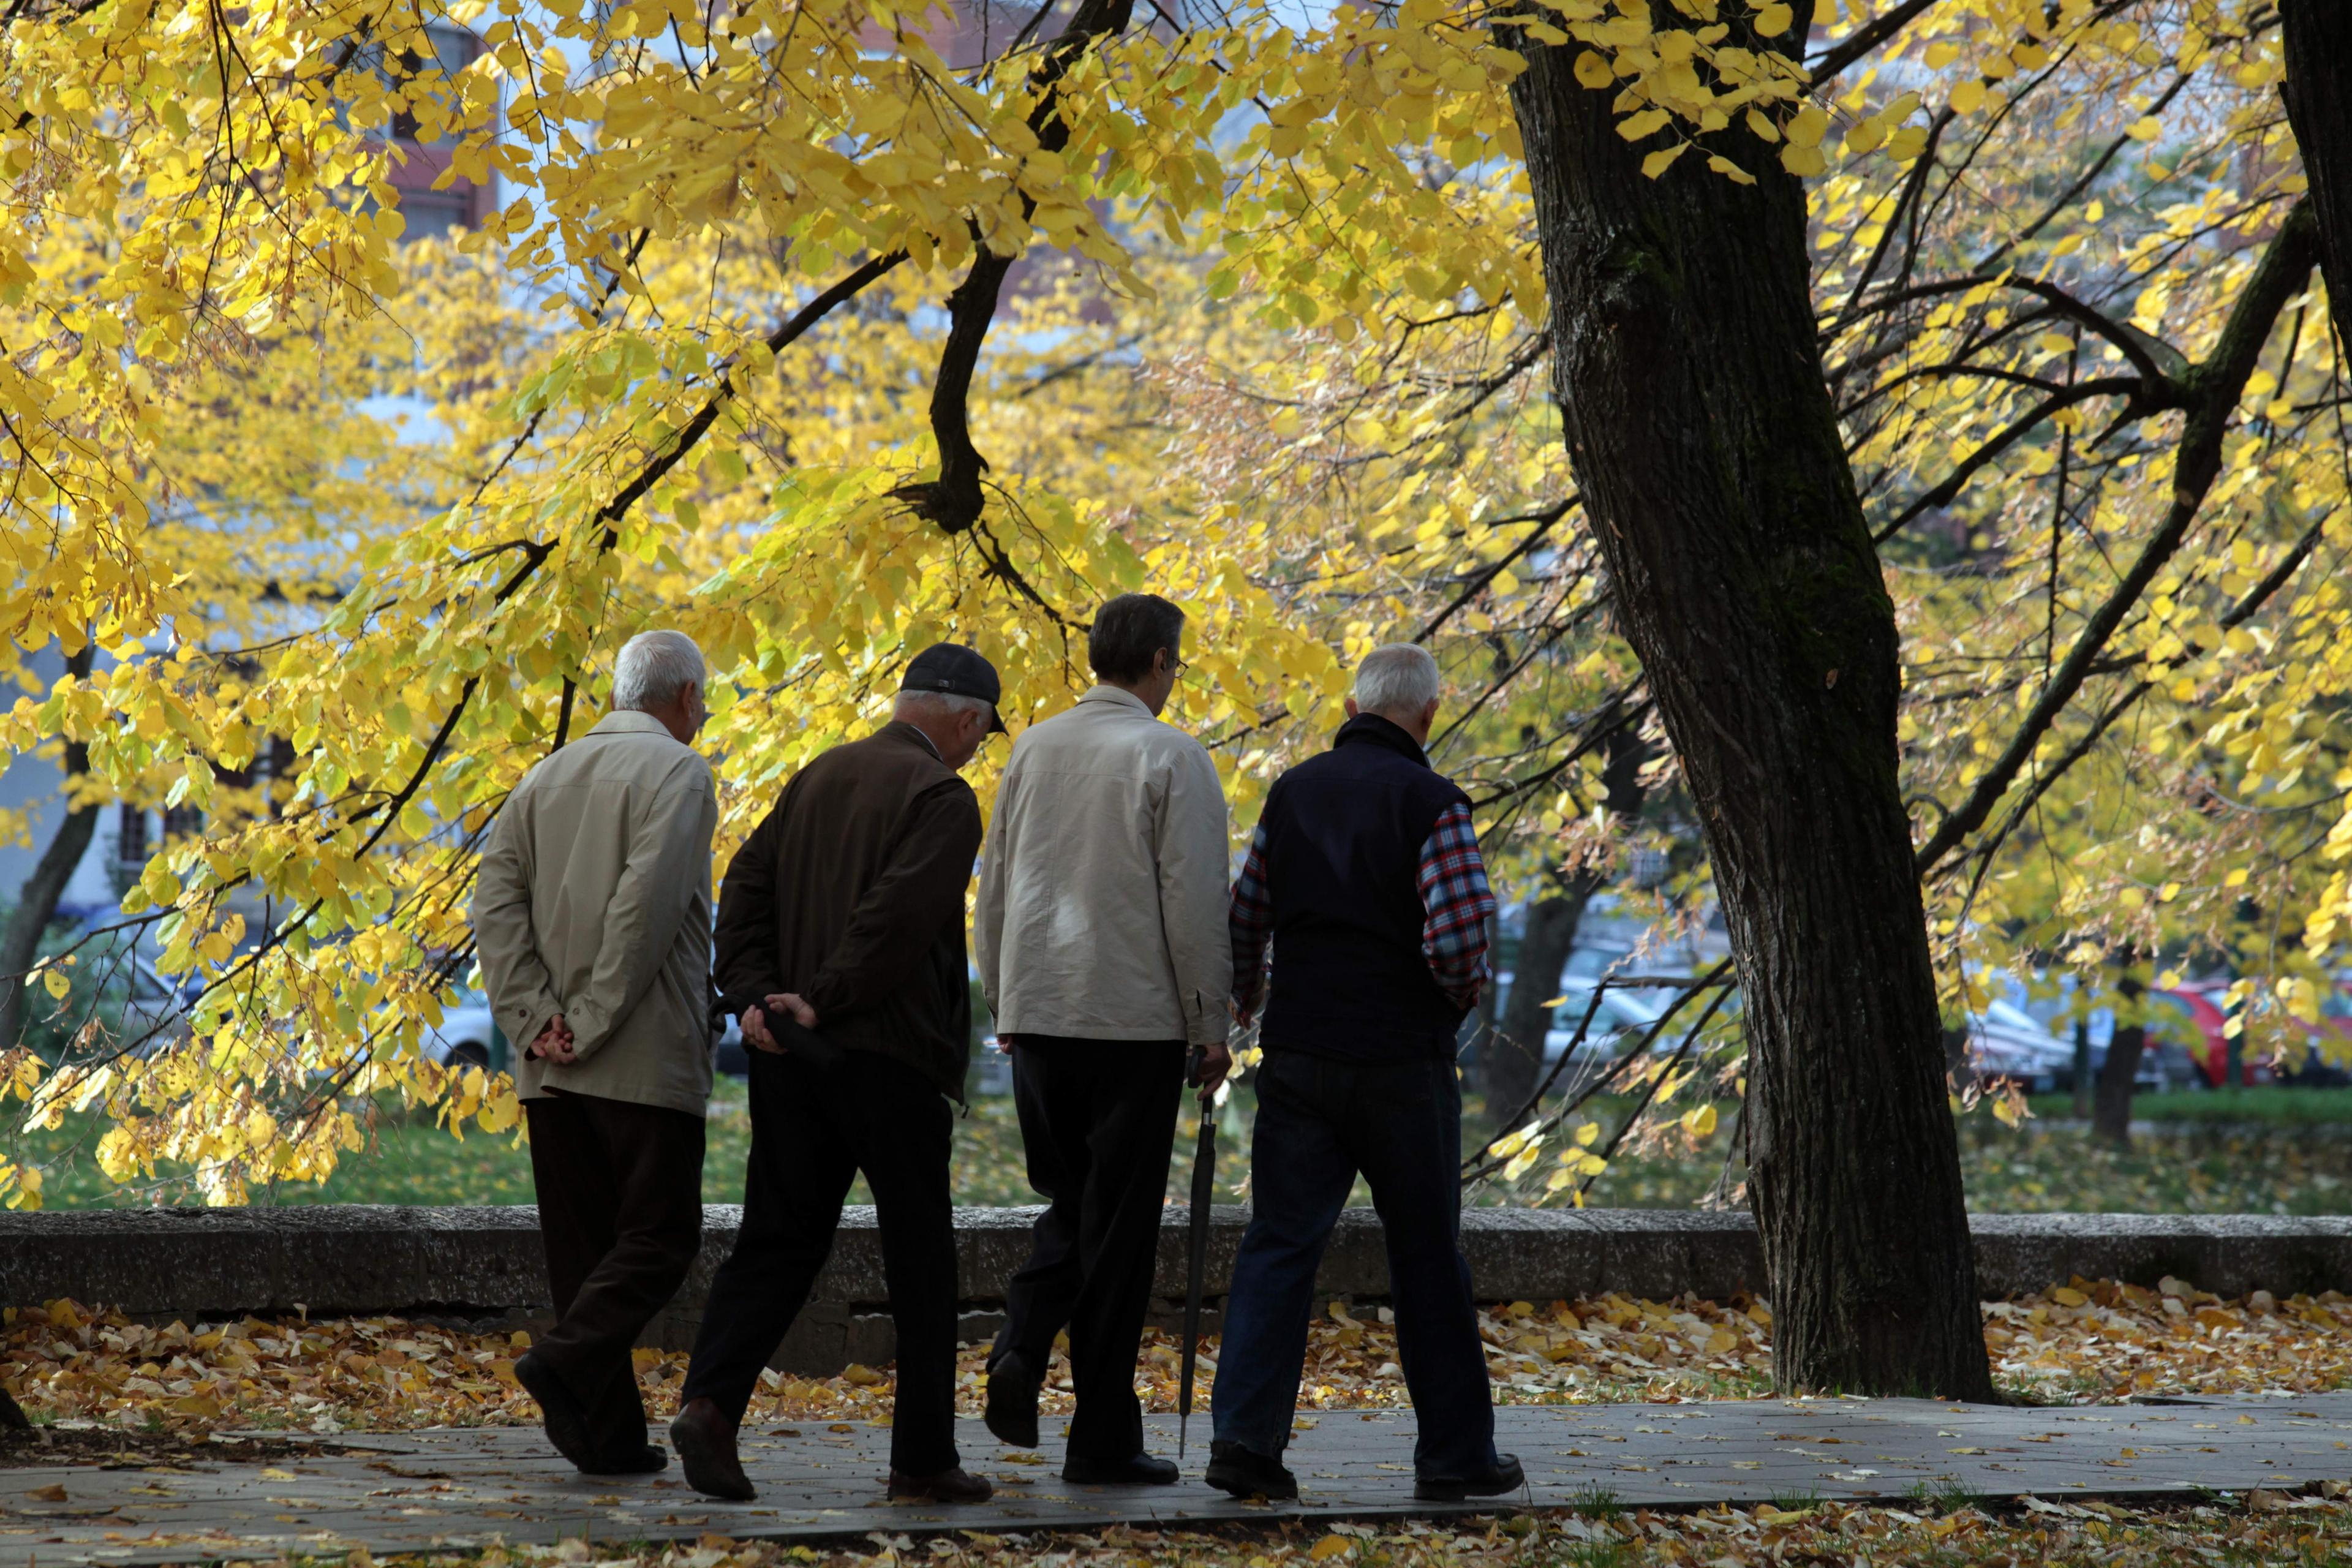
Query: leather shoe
{"type": "Point", "coordinates": [645, 1460]}
{"type": "Point", "coordinates": [956, 1486]}
{"type": "Point", "coordinates": [560, 1413]}
{"type": "Point", "coordinates": [705, 1441]}
{"type": "Point", "coordinates": [1143, 1470]}
{"type": "Point", "coordinates": [1012, 1412]}
{"type": "Point", "coordinates": [1505, 1477]}
{"type": "Point", "coordinates": [1246, 1473]}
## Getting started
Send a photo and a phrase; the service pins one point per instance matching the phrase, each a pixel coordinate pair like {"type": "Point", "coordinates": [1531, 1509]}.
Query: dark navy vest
{"type": "Point", "coordinates": [1343, 838]}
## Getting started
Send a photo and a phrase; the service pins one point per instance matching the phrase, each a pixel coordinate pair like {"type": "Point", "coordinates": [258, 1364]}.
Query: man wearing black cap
{"type": "Point", "coordinates": [840, 944]}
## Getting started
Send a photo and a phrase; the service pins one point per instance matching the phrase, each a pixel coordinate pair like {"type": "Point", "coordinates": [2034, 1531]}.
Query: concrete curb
{"type": "Point", "coordinates": [484, 1263]}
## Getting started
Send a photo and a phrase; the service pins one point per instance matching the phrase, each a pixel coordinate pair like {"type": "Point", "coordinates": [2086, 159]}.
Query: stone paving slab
{"type": "Point", "coordinates": [456, 1488]}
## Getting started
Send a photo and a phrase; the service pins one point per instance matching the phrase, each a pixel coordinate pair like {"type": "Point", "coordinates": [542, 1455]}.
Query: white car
{"type": "Point", "coordinates": [1617, 1026]}
{"type": "Point", "coordinates": [2005, 1041]}
{"type": "Point", "coordinates": [468, 1036]}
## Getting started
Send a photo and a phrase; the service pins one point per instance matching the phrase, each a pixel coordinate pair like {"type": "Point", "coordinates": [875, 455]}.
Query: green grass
{"type": "Point", "coordinates": [2253, 1154]}
{"type": "Point", "coordinates": [2265, 1106]}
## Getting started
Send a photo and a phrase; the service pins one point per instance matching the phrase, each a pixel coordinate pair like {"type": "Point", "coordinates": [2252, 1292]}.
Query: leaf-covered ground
{"type": "Point", "coordinates": [2263, 1528]}
{"type": "Point", "coordinates": [2086, 1341]}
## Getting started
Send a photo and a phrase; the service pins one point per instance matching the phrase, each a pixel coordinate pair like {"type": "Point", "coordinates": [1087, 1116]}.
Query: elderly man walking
{"type": "Point", "coordinates": [841, 946]}
{"type": "Point", "coordinates": [1365, 873]}
{"type": "Point", "coordinates": [1100, 931]}
{"type": "Point", "coordinates": [591, 915]}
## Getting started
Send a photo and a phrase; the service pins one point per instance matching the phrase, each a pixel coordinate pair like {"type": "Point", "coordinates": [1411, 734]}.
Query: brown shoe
{"type": "Point", "coordinates": [958, 1485]}
{"type": "Point", "coordinates": [705, 1441]}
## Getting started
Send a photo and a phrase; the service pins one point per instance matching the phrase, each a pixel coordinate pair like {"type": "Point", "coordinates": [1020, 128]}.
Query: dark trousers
{"type": "Point", "coordinates": [620, 1213]}
{"type": "Point", "coordinates": [1098, 1121]}
{"type": "Point", "coordinates": [812, 1133]}
{"type": "Point", "coordinates": [1320, 1121]}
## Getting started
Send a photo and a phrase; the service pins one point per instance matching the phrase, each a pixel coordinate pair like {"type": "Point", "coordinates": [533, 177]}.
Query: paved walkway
{"type": "Point", "coordinates": [465, 1487]}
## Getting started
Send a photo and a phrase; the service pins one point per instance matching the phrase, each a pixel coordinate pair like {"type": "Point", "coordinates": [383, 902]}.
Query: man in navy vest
{"type": "Point", "coordinates": [1366, 876]}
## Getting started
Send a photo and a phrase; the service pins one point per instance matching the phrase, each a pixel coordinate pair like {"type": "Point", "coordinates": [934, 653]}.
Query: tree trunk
{"type": "Point", "coordinates": [2317, 34]}
{"type": "Point", "coordinates": [1743, 575]}
{"type": "Point", "coordinates": [1514, 1060]}
{"type": "Point", "coordinates": [36, 902]}
{"type": "Point", "coordinates": [11, 1415]}
{"type": "Point", "coordinates": [2111, 1114]}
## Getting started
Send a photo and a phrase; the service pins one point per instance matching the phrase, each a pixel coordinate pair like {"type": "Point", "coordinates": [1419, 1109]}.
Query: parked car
{"type": "Point", "coordinates": [2006, 1042]}
{"type": "Point", "coordinates": [1619, 1023]}
{"type": "Point", "coordinates": [2168, 1061]}
{"type": "Point", "coordinates": [469, 1035]}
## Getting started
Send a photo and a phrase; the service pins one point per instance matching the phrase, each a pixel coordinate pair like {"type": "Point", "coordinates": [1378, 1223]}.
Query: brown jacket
{"type": "Point", "coordinates": [851, 893]}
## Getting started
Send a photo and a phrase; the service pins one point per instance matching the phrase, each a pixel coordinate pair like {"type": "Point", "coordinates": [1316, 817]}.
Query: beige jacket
{"type": "Point", "coordinates": [593, 900]}
{"type": "Point", "coordinates": [1103, 881]}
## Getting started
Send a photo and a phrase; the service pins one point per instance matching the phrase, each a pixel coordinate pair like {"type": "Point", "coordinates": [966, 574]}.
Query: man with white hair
{"type": "Point", "coordinates": [1364, 874]}
{"type": "Point", "coordinates": [841, 947]}
{"type": "Point", "coordinates": [592, 916]}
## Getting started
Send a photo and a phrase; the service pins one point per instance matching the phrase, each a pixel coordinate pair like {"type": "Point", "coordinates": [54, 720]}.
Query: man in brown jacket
{"type": "Point", "coordinates": [592, 914]}
{"type": "Point", "coordinates": [841, 946]}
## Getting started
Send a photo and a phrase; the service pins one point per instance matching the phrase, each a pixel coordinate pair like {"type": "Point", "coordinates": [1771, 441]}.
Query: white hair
{"type": "Point", "coordinates": [1399, 678]}
{"type": "Point", "coordinates": [654, 668]}
{"type": "Point", "coordinates": [910, 703]}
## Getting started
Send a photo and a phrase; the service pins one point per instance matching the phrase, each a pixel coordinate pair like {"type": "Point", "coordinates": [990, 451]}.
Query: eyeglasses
{"type": "Point", "coordinates": [1181, 666]}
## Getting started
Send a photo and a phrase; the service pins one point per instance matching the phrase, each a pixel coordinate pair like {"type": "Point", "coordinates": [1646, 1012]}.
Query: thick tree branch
{"type": "Point", "coordinates": [954, 501]}
{"type": "Point", "coordinates": [2213, 388]}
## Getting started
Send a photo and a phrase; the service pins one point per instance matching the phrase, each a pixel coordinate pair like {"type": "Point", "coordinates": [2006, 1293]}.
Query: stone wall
{"type": "Point", "coordinates": [483, 1264]}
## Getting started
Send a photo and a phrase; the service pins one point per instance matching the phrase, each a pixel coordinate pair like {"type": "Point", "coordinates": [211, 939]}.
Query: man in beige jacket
{"type": "Point", "coordinates": [591, 915]}
{"type": "Point", "coordinates": [1102, 949]}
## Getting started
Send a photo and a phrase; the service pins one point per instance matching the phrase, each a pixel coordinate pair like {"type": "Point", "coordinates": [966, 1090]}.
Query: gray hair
{"type": "Point", "coordinates": [910, 703]}
{"type": "Point", "coordinates": [654, 668]}
{"type": "Point", "coordinates": [1399, 678]}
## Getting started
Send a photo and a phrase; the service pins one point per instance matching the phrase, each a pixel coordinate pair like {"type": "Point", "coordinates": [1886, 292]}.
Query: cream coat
{"type": "Point", "coordinates": [593, 900]}
{"type": "Point", "coordinates": [1103, 881]}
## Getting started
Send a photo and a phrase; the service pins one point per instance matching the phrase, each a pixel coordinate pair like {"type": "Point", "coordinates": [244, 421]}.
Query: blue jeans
{"type": "Point", "coordinates": [1320, 1121]}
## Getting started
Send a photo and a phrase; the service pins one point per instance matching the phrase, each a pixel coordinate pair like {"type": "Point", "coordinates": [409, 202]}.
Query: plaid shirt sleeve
{"type": "Point", "coordinates": [1453, 892]}
{"type": "Point", "coordinates": [1250, 922]}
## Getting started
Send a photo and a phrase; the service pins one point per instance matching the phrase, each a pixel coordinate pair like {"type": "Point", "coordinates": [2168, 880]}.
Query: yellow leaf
{"type": "Point", "coordinates": [1656, 163]}
{"type": "Point", "coordinates": [1328, 1548]}
{"type": "Point", "coordinates": [1773, 20]}
{"type": "Point", "coordinates": [1729, 170]}
{"type": "Point", "coordinates": [1592, 70]}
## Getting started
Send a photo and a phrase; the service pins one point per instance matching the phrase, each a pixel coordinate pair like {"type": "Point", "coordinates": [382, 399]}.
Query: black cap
{"type": "Point", "coordinates": [957, 671]}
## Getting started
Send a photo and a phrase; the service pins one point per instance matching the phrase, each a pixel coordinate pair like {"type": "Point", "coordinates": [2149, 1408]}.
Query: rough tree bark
{"type": "Point", "coordinates": [2317, 34]}
{"type": "Point", "coordinates": [36, 902]}
{"type": "Point", "coordinates": [2110, 1107]}
{"type": "Point", "coordinates": [1515, 1057]}
{"type": "Point", "coordinates": [1711, 463]}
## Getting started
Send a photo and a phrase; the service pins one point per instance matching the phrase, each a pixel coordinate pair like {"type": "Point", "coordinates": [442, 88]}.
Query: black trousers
{"type": "Point", "coordinates": [1097, 1120]}
{"type": "Point", "coordinates": [620, 1213]}
{"type": "Point", "coordinates": [812, 1133]}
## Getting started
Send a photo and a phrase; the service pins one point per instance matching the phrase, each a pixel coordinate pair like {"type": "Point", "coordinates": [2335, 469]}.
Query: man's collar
{"type": "Point", "coordinates": [927, 743]}
{"type": "Point", "coordinates": [1373, 730]}
{"type": "Point", "coordinates": [1118, 694]}
{"type": "Point", "coordinates": [629, 721]}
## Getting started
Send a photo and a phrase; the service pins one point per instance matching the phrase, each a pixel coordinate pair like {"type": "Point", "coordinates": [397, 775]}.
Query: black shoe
{"type": "Point", "coordinates": [1012, 1401]}
{"type": "Point", "coordinates": [559, 1409]}
{"type": "Point", "coordinates": [954, 1486]}
{"type": "Point", "coordinates": [1505, 1477]}
{"type": "Point", "coordinates": [705, 1441]}
{"type": "Point", "coordinates": [1235, 1470]}
{"type": "Point", "coordinates": [1143, 1470]}
{"type": "Point", "coordinates": [647, 1460]}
